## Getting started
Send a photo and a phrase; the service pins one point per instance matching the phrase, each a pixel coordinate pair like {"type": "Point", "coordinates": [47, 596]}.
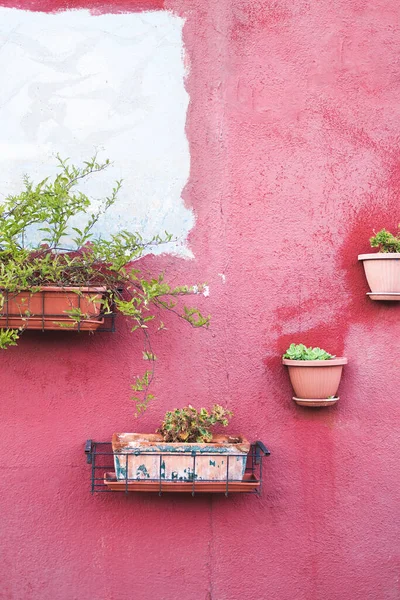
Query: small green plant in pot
{"type": "Point", "coordinates": [314, 374]}
{"type": "Point", "coordinates": [68, 278]}
{"type": "Point", "coordinates": [386, 242]}
{"type": "Point", "coordinates": [301, 352]}
{"type": "Point", "coordinates": [382, 269]}
{"type": "Point", "coordinates": [190, 425]}
{"type": "Point", "coordinates": [188, 447]}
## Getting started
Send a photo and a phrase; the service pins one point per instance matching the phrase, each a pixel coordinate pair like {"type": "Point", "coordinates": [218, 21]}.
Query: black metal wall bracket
{"type": "Point", "coordinates": [103, 478]}
{"type": "Point", "coordinates": [88, 451]}
{"type": "Point", "coordinates": [260, 450]}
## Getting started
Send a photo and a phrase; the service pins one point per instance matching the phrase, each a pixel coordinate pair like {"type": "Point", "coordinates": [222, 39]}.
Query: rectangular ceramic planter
{"type": "Point", "coordinates": [140, 456]}
{"type": "Point", "coordinates": [47, 308]}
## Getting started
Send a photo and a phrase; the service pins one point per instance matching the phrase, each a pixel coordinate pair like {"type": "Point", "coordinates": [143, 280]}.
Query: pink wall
{"type": "Point", "coordinates": [294, 126]}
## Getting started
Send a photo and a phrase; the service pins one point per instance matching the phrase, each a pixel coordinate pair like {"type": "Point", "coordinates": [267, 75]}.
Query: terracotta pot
{"type": "Point", "coordinates": [140, 456]}
{"type": "Point", "coordinates": [316, 402]}
{"type": "Point", "coordinates": [383, 275]}
{"type": "Point", "coordinates": [316, 380]}
{"type": "Point", "coordinates": [249, 484]}
{"type": "Point", "coordinates": [47, 308]}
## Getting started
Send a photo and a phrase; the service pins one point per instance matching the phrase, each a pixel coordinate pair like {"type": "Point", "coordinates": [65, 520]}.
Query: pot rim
{"type": "Point", "coordinates": [331, 362]}
{"type": "Point", "coordinates": [121, 441]}
{"type": "Point", "coordinates": [380, 256]}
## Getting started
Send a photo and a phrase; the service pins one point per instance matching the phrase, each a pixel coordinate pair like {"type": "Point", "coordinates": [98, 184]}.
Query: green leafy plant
{"type": "Point", "coordinates": [70, 255]}
{"type": "Point", "coordinates": [190, 425]}
{"type": "Point", "coordinates": [386, 241]}
{"type": "Point", "coordinates": [301, 352]}
{"type": "Point", "coordinates": [8, 337]}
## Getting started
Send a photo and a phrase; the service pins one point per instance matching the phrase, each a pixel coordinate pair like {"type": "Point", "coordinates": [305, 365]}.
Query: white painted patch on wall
{"type": "Point", "coordinates": [73, 83]}
{"type": "Point", "coordinates": [205, 290]}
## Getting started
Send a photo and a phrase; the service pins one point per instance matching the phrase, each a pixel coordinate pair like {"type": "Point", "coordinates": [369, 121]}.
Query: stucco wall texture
{"type": "Point", "coordinates": [293, 127]}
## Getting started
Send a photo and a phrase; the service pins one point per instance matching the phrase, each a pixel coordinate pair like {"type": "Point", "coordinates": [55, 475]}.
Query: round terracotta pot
{"type": "Point", "coordinates": [315, 378]}
{"type": "Point", "coordinates": [382, 271]}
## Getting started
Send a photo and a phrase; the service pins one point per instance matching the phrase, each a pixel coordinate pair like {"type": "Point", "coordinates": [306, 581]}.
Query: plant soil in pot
{"type": "Point", "coordinates": [183, 449]}
{"type": "Point", "coordinates": [382, 269]}
{"type": "Point", "coordinates": [50, 307]}
{"type": "Point", "coordinates": [314, 374]}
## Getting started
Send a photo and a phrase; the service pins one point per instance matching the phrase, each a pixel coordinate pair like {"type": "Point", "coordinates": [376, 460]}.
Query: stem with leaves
{"type": "Point", "coordinates": [71, 256]}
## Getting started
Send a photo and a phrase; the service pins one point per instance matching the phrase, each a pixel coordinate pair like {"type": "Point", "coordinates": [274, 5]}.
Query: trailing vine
{"type": "Point", "coordinates": [70, 256]}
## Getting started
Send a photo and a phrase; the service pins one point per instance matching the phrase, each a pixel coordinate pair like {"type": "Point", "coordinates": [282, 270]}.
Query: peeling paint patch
{"type": "Point", "coordinates": [96, 6]}
{"type": "Point", "coordinates": [142, 472]}
{"type": "Point", "coordinates": [75, 83]}
{"type": "Point", "coordinates": [205, 290]}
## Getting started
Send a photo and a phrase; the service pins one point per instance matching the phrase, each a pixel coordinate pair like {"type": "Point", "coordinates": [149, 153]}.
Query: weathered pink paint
{"type": "Point", "coordinates": [293, 126]}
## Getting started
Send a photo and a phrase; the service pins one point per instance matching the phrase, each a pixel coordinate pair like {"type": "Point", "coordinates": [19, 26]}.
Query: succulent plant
{"type": "Point", "coordinates": [301, 352]}
{"type": "Point", "coordinates": [386, 241]}
{"type": "Point", "coordinates": [191, 425]}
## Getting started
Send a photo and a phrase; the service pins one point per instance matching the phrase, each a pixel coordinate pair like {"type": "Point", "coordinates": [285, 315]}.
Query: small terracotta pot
{"type": "Point", "coordinates": [47, 308]}
{"type": "Point", "coordinates": [315, 379]}
{"type": "Point", "coordinates": [382, 271]}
